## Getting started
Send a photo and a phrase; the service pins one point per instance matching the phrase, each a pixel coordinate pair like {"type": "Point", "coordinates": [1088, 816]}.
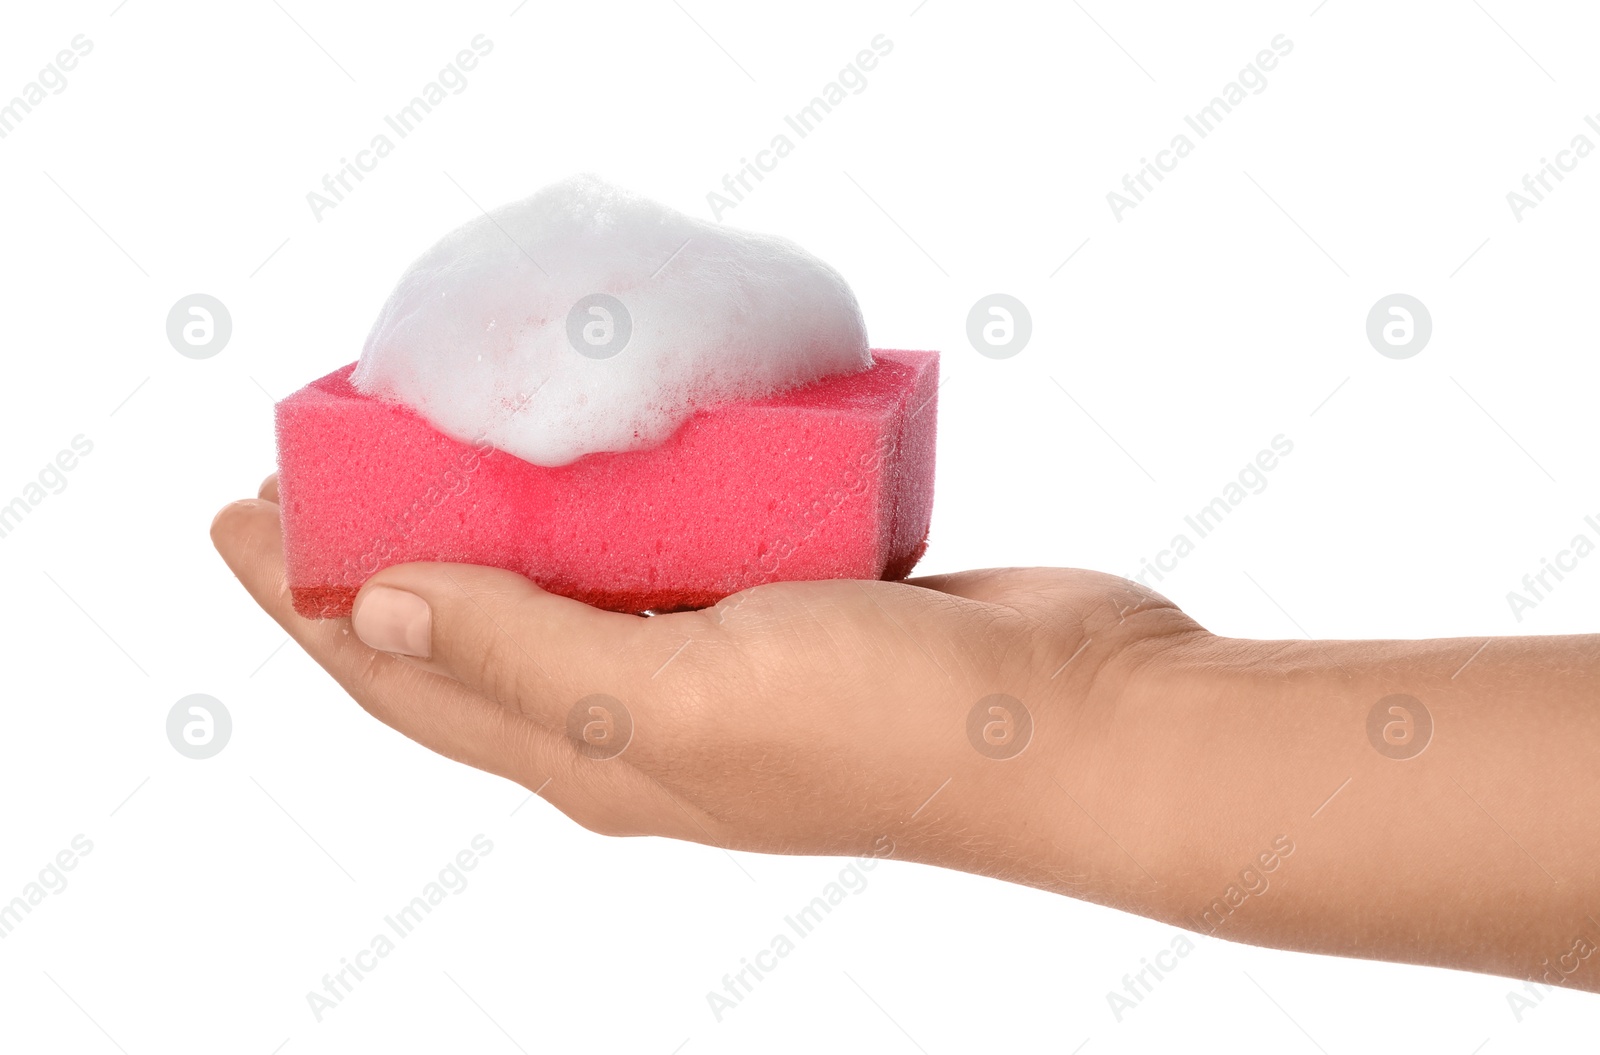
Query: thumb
{"type": "Point", "coordinates": [501, 635]}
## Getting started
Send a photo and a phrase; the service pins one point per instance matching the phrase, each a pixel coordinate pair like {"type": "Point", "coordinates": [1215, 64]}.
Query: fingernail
{"type": "Point", "coordinates": [392, 620]}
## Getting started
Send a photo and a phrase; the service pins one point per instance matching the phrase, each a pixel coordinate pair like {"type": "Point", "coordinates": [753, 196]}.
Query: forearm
{"type": "Point", "coordinates": [1290, 816]}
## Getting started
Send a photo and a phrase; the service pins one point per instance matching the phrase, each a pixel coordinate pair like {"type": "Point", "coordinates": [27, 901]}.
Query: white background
{"type": "Point", "coordinates": [1227, 308]}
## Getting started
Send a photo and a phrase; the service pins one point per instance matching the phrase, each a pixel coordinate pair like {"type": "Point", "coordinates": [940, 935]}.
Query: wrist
{"type": "Point", "coordinates": [1124, 756]}
{"type": "Point", "coordinates": [1193, 773]}
{"type": "Point", "coordinates": [1241, 746]}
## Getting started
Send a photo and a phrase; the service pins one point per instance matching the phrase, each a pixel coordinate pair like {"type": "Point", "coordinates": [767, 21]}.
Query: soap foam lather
{"type": "Point", "coordinates": [476, 339]}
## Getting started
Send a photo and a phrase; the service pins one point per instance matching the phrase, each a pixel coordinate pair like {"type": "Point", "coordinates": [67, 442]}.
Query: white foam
{"type": "Point", "coordinates": [475, 336]}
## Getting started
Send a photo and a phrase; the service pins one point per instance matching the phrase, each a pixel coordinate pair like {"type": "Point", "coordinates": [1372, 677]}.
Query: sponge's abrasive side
{"type": "Point", "coordinates": [833, 480]}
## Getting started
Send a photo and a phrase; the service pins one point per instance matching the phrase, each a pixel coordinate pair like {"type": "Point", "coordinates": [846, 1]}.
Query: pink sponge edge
{"type": "Point", "coordinates": [833, 480]}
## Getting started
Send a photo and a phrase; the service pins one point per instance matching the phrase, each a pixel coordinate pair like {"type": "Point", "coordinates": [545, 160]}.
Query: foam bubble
{"type": "Point", "coordinates": [475, 337]}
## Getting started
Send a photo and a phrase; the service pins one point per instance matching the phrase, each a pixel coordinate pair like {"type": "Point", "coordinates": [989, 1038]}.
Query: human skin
{"type": "Point", "coordinates": [1233, 787]}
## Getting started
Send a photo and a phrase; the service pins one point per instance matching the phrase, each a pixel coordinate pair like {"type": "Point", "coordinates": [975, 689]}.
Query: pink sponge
{"type": "Point", "coordinates": [833, 480]}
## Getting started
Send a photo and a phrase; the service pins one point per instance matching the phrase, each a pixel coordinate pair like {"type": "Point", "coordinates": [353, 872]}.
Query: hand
{"type": "Point", "coordinates": [813, 717]}
{"type": "Point", "coordinates": [1064, 729]}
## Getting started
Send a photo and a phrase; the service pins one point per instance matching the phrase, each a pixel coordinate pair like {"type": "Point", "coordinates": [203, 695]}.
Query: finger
{"type": "Point", "coordinates": [979, 585]}
{"type": "Point", "coordinates": [502, 636]}
{"type": "Point", "coordinates": [1043, 591]}
{"type": "Point", "coordinates": [436, 711]}
{"type": "Point", "coordinates": [249, 537]}
{"type": "Point", "coordinates": [269, 488]}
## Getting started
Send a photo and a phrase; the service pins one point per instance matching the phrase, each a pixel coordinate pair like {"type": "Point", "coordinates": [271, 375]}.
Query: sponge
{"type": "Point", "coordinates": [830, 480]}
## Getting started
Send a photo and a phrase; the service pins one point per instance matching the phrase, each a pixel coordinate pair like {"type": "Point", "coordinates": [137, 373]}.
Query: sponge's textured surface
{"type": "Point", "coordinates": [831, 480]}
